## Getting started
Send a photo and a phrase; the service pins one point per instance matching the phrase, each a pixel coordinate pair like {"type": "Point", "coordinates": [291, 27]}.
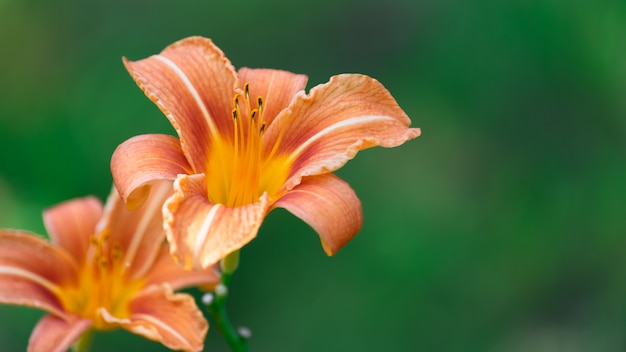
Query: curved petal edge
{"type": "Point", "coordinates": [329, 205]}
{"type": "Point", "coordinates": [201, 233]}
{"type": "Point", "coordinates": [142, 159]}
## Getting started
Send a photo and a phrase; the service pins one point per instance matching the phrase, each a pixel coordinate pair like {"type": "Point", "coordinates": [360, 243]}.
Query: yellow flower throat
{"type": "Point", "coordinates": [103, 283]}
{"type": "Point", "coordinates": [241, 167]}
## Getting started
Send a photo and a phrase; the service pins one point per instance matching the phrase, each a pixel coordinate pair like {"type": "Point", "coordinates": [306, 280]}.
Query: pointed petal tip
{"type": "Point", "coordinates": [329, 205]}
{"type": "Point", "coordinates": [329, 251]}
{"type": "Point", "coordinates": [416, 132]}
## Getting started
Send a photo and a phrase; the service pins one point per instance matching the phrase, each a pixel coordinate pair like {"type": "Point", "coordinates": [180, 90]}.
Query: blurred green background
{"type": "Point", "coordinates": [501, 228]}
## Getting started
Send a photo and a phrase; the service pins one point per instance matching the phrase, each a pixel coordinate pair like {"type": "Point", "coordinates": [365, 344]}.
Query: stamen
{"type": "Point", "coordinates": [243, 161]}
{"type": "Point", "coordinates": [116, 252]}
{"type": "Point", "coordinates": [260, 103]}
{"type": "Point", "coordinates": [236, 101]}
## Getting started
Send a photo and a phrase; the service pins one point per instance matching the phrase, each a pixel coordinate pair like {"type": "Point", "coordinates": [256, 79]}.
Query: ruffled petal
{"type": "Point", "coordinates": [139, 233]}
{"type": "Point", "coordinates": [145, 158]}
{"type": "Point", "coordinates": [71, 223]}
{"type": "Point", "coordinates": [321, 131]}
{"type": "Point", "coordinates": [166, 270]}
{"type": "Point", "coordinates": [329, 205]}
{"type": "Point", "coordinates": [160, 315]}
{"type": "Point", "coordinates": [193, 83]}
{"type": "Point", "coordinates": [53, 334]}
{"type": "Point", "coordinates": [201, 233]}
{"type": "Point", "coordinates": [276, 87]}
{"type": "Point", "coordinates": [33, 272]}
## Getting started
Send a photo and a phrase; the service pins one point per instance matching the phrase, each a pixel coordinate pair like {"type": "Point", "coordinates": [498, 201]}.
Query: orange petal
{"type": "Point", "coordinates": [142, 159]}
{"type": "Point", "coordinates": [325, 129]}
{"type": "Point", "coordinates": [33, 272]}
{"type": "Point", "coordinates": [201, 233]}
{"type": "Point", "coordinates": [71, 223]}
{"type": "Point", "coordinates": [329, 205]}
{"type": "Point", "coordinates": [160, 315]}
{"type": "Point", "coordinates": [139, 232]}
{"type": "Point", "coordinates": [166, 270]}
{"type": "Point", "coordinates": [276, 87]}
{"type": "Point", "coordinates": [193, 83]}
{"type": "Point", "coordinates": [53, 334]}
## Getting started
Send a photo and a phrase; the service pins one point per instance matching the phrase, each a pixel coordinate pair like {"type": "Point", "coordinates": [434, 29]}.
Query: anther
{"type": "Point", "coordinates": [105, 236]}
{"type": "Point", "coordinates": [236, 101]}
{"type": "Point", "coordinates": [259, 101]}
{"type": "Point", "coordinates": [262, 129]}
{"type": "Point", "coordinates": [234, 114]}
{"type": "Point", "coordinates": [253, 114]}
{"type": "Point", "coordinates": [246, 89]}
{"type": "Point", "coordinates": [116, 252]}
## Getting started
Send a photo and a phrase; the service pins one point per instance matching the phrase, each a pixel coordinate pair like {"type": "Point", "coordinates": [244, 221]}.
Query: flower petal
{"type": "Point", "coordinates": [166, 270]}
{"type": "Point", "coordinates": [193, 83]}
{"type": "Point", "coordinates": [139, 233]}
{"type": "Point", "coordinates": [329, 205]}
{"type": "Point", "coordinates": [145, 158]}
{"type": "Point", "coordinates": [53, 334]}
{"type": "Point", "coordinates": [33, 272]}
{"type": "Point", "coordinates": [323, 130]}
{"type": "Point", "coordinates": [160, 315]}
{"type": "Point", "coordinates": [201, 233]}
{"type": "Point", "coordinates": [276, 87]}
{"type": "Point", "coordinates": [71, 223]}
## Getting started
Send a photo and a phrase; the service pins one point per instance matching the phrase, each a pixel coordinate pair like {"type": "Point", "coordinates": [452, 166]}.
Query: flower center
{"type": "Point", "coordinates": [241, 167]}
{"type": "Point", "coordinates": [104, 283]}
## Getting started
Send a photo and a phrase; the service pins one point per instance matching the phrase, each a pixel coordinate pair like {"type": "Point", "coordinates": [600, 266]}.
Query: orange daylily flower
{"type": "Point", "coordinates": [105, 267]}
{"type": "Point", "coordinates": [250, 141]}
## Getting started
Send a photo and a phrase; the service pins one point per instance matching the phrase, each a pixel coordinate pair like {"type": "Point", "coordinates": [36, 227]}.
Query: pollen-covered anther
{"type": "Point", "coordinates": [116, 252]}
{"type": "Point", "coordinates": [247, 150]}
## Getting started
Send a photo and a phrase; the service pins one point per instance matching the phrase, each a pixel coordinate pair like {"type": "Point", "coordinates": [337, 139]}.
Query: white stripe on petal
{"type": "Point", "coordinates": [25, 274]}
{"type": "Point", "coordinates": [183, 77]}
{"type": "Point", "coordinates": [344, 123]}
{"type": "Point", "coordinates": [156, 322]}
{"type": "Point", "coordinates": [140, 231]}
{"type": "Point", "coordinates": [203, 233]}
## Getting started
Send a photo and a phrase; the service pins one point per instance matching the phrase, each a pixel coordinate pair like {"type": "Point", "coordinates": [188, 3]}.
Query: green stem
{"type": "Point", "coordinates": [217, 308]}
{"type": "Point", "coordinates": [84, 342]}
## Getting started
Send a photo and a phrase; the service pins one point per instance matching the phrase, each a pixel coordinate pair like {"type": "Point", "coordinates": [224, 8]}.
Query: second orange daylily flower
{"type": "Point", "coordinates": [105, 267]}
{"type": "Point", "coordinates": [251, 141]}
